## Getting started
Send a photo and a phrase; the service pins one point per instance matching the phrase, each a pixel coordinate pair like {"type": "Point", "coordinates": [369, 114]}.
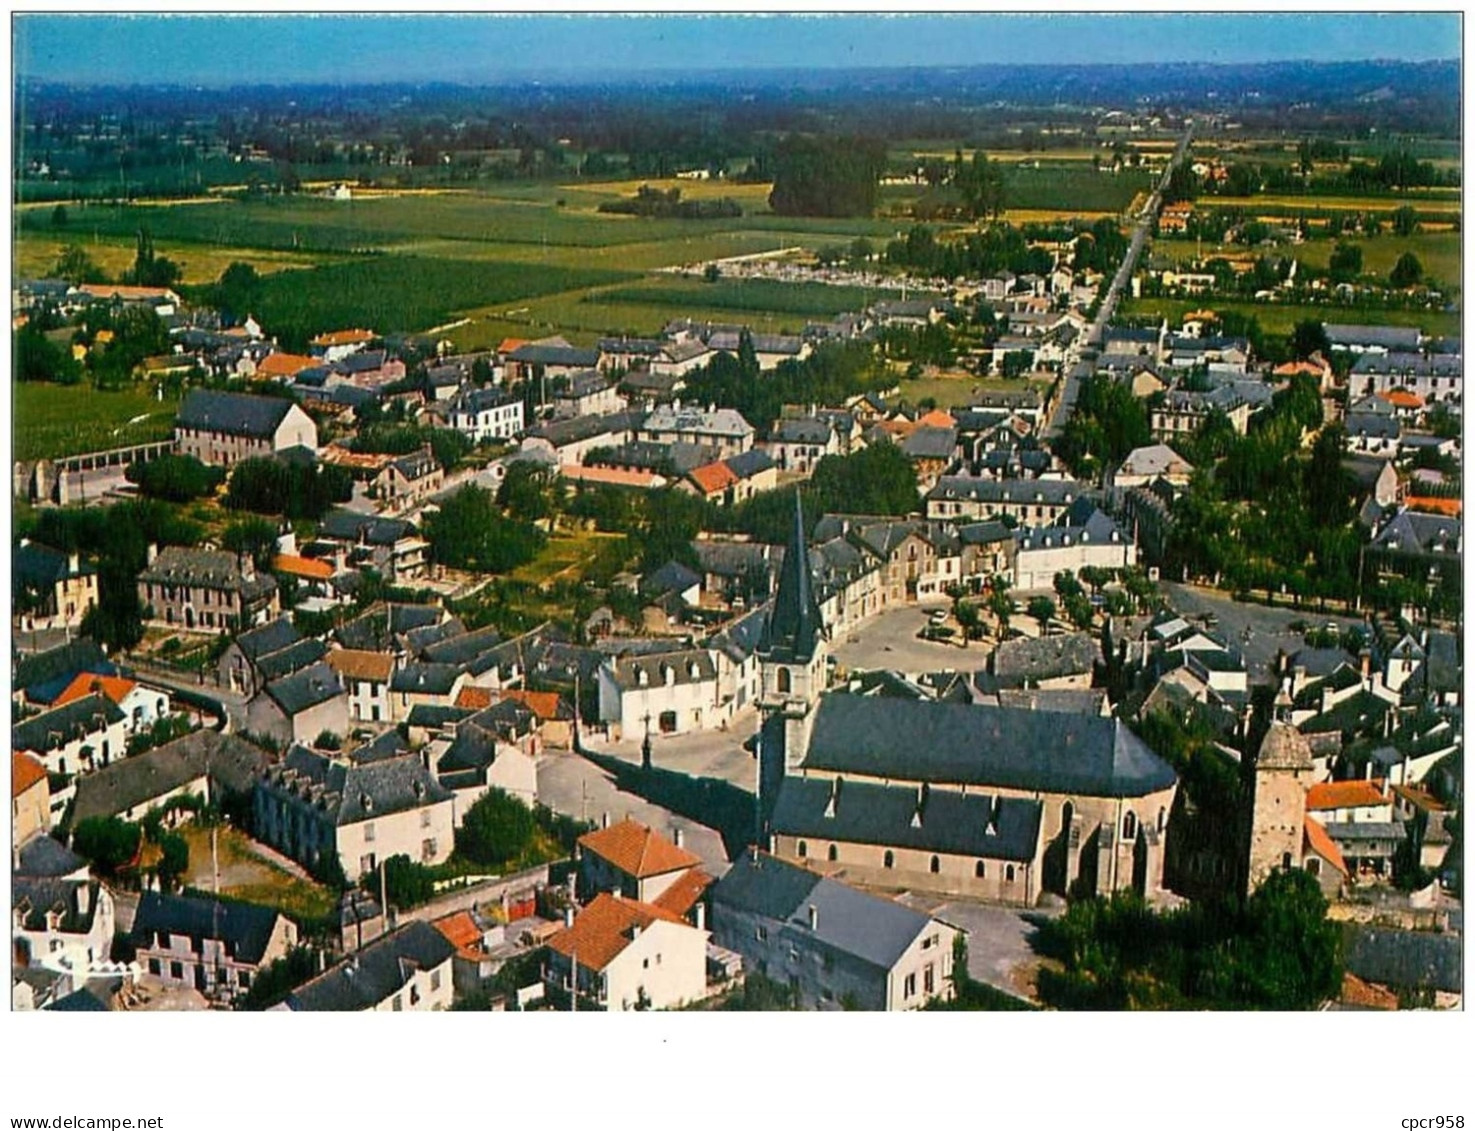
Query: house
{"type": "Point", "coordinates": [77, 738]}
{"type": "Point", "coordinates": [61, 924]}
{"type": "Point", "coordinates": [1046, 663]}
{"type": "Point", "coordinates": [1183, 413]}
{"type": "Point", "coordinates": [316, 808]}
{"type": "Point", "coordinates": [407, 969]}
{"type": "Point", "coordinates": [1040, 501]}
{"type": "Point", "coordinates": [1083, 536]}
{"type": "Point", "coordinates": [282, 367]}
{"type": "Point", "coordinates": [409, 479]}
{"type": "Point", "coordinates": [534, 361]}
{"type": "Point", "coordinates": [206, 590]}
{"type": "Point", "coordinates": [1156, 461]}
{"type": "Point", "coordinates": [392, 546]}
{"type": "Point", "coordinates": [490, 748]}
{"type": "Point", "coordinates": [754, 472]}
{"type": "Point", "coordinates": [1375, 434]}
{"type": "Point", "coordinates": [798, 444]}
{"type": "Point", "coordinates": [301, 705]}
{"type": "Point", "coordinates": [30, 799]}
{"type": "Point", "coordinates": [486, 415]}
{"type": "Point", "coordinates": [620, 954]}
{"type": "Point", "coordinates": [839, 948]}
{"type": "Point", "coordinates": [268, 652]}
{"type": "Point", "coordinates": [222, 429]}
{"type": "Point", "coordinates": [142, 706]}
{"type": "Point", "coordinates": [634, 861]}
{"type": "Point", "coordinates": [365, 676]}
{"type": "Point", "coordinates": [1436, 379]}
{"type": "Point", "coordinates": [723, 428]}
{"type": "Point", "coordinates": [217, 946]}
{"type": "Point", "coordinates": [49, 589]}
{"type": "Point", "coordinates": [569, 441]}
{"type": "Point", "coordinates": [667, 693]}
{"type": "Point", "coordinates": [589, 392]}
{"type": "Point", "coordinates": [338, 344]}
{"type": "Point", "coordinates": [205, 764]}
{"type": "Point", "coordinates": [1372, 339]}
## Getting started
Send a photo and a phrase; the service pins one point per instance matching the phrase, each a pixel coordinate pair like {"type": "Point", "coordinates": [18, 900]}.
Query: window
{"type": "Point", "coordinates": [176, 971]}
{"type": "Point", "coordinates": [1009, 874]}
{"type": "Point", "coordinates": [803, 850]}
{"type": "Point", "coordinates": [1285, 860]}
{"type": "Point", "coordinates": [929, 986]}
{"type": "Point", "coordinates": [398, 1004]}
{"type": "Point", "coordinates": [980, 870]}
{"type": "Point", "coordinates": [834, 853]}
{"type": "Point", "coordinates": [434, 980]}
{"type": "Point", "coordinates": [785, 681]}
{"type": "Point", "coordinates": [934, 866]}
{"type": "Point", "coordinates": [1313, 866]}
{"type": "Point", "coordinates": [889, 860]}
{"type": "Point", "coordinates": [369, 831]}
{"type": "Point", "coordinates": [762, 933]}
{"type": "Point", "coordinates": [1129, 826]}
{"type": "Point", "coordinates": [909, 987]}
{"type": "Point", "coordinates": [427, 849]}
{"type": "Point", "coordinates": [645, 963]}
{"type": "Point", "coordinates": [154, 968]}
{"type": "Point", "coordinates": [425, 818]}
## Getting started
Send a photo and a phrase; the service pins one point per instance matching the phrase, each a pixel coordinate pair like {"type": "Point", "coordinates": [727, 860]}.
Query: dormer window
{"type": "Point", "coordinates": [642, 677]}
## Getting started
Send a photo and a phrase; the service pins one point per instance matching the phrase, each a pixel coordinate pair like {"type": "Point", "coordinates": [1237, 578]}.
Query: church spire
{"type": "Point", "coordinates": [795, 624]}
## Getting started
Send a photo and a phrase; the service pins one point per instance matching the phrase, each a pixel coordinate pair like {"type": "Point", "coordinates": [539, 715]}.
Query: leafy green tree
{"type": "Point", "coordinates": [175, 478]}
{"type": "Point", "coordinates": [254, 536]}
{"type": "Point", "coordinates": [407, 883]}
{"type": "Point", "coordinates": [526, 492]}
{"type": "Point", "coordinates": [75, 266]}
{"type": "Point", "coordinates": [272, 486]}
{"type": "Point", "coordinates": [174, 862]}
{"type": "Point", "coordinates": [1407, 272]}
{"type": "Point", "coordinates": [1309, 337]}
{"type": "Point", "coordinates": [818, 176]}
{"type": "Point", "coordinates": [109, 842]}
{"type": "Point", "coordinates": [879, 479]}
{"type": "Point", "coordinates": [1405, 221]}
{"type": "Point", "coordinates": [1345, 263]}
{"type": "Point", "coordinates": [38, 358]}
{"type": "Point", "coordinates": [276, 981]}
{"type": "Point", "coordinates": [238, 290]}
{"type": "Point", "coordinates": [150, 269]}
{"type": "Point", "coordinates": [497, 830]}
{"type": "Point", "coordinates": [1042, 609]}
{"type": "Point", "coordinates": [981, 183]}
{"type": "Point", "coordinates": [470, 532]}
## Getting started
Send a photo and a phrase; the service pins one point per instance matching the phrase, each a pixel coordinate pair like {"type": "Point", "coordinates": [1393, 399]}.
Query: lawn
{"type": "Point", "coordinates": [247, 875]}
{"type": "Point", "coordinates": [61, 420]}
{"type": "Point", "coordinates": [1281, 318]}
{"type": "Point", "coordinates": [956, 391]}
{"type": "Point", "coordinates": [1439, 252]}
{"type": "Point", "coordinates": [563, 557]}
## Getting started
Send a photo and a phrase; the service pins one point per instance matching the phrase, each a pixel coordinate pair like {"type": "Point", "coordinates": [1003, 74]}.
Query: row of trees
{"type": "Point", "coordinates": [824, 176]}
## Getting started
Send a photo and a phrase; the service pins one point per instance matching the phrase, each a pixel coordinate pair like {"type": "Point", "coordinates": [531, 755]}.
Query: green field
{"type": "Point", "coordinates": [813, 300]}
{"type": "Point", "coordinates": [405, 293]}
{"type": "Point", "coordinates": [1439, 252]}
{"type": "Point", "coordinates": [59, 420]}
{"type": "Point", "coordinates": [1281, 318]}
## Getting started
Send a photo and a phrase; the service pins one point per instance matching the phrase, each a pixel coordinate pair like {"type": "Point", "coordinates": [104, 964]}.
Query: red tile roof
{"type": "Point", "coordinates": [1402, 398]}
{"type": "Point", "coordinates": [1357, 992]}
{"type": "Point", "coordinates": [712, 478]}
{"type": "Point", "coordinates": [343, 337]}
{"type": "Point", "coordinates": [283, 365]}
{"type": "Point", "coordinates": [1345, 794]}
{"type": "Point", "coordinates": [605, 928]}
{"type": "Point", "coordinates": [683, 895]}
{"type": "Point", "coordinates": [544, 704]}
{"type": "Point", "coordinates": [116, 688]}
{"type": "Point", "coordinates": [1320, 843]}
{"type": "Point", "coordinates": [314, 568]}
{"type": "Point", "coordinates": [25, 772]}
{"type": "Point", "coordinates": [613, 476]}
{"type": "Point", "coordinates": [937, 418]}
{"type": "Point", "coordinates": [1434, 505]}
{"type": "Point", "coordinates": [636, 850]}
{"type": "Point", "coordinates": [461, 932]}
{"type": "Point", "coordinates": [474, 698]}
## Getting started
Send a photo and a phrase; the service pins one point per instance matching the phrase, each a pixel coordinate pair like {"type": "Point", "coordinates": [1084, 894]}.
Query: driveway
{"type": "Point", "coordinates": [702, 753]}
{"type": "Point", "coordinates": [889, 640]}
{"type": "Point", "coordinates": [574, 786]}
{"type": "Point", "coordinates": [1256, 630]}
{"type": "Point", "coordinates": [999, 950]}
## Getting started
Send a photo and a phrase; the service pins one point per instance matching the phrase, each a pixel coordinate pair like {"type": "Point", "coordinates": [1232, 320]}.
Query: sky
{"type": "Point", "coordinates": [214, 50]}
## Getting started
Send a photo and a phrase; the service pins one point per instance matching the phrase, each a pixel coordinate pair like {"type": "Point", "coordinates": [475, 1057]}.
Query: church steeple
{"type": "Point", "coordinates": [795, 626]}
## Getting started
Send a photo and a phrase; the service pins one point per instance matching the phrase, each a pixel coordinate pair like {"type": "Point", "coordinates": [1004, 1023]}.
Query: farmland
{"type": "Point", "coordinates": [63, 420]}
{"type": "Point", "coordinates": [1281, 318]}
{"type": "Point", "coordinates": [758, 295]}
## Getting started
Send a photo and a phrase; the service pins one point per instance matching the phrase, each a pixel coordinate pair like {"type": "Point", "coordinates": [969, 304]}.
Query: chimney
{"type": "Point", "coordinates": [568, 916]}
{"type": "Point", "coordinates": [248, 566]}
{"type": "Point", "coordinates": [813, 917]}
{"type": "Point", "coordinates": [701, 910]}
{"type": "Point", "coordinates": [677, 836]}
{"type": "Point", "coordinates": [153, 552]}
{"type": "Point", "coordinates": [74, 563]}
{"type": "Point", "coordinates": [84, 898]}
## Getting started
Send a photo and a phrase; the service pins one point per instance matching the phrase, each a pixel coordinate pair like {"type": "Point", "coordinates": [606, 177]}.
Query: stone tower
{"type": "Point", "coordinates": [793, 670]}
{"type": "Point", "coordinates": [1279, 781]}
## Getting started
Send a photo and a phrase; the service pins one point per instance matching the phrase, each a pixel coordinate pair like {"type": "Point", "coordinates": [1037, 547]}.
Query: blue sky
{"type": "Point", "coordinates": [216, 50]}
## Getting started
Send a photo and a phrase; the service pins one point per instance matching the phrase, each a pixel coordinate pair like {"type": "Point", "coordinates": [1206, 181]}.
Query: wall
{"type": "Point", "coordinates": [667, 960]}
{"type": "Point", "coordinates": [425, 991]}
{"type": "Point", "coordinates": [911, 869]}
{"type": "Point", "coordinates": [395, 834]}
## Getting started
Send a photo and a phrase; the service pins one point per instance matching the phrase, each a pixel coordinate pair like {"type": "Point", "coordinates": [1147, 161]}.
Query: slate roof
{"type": "Point", "coordinates": [571, 356]}
{"type": "Point", "coordinates": [1410, 959]}
{"type": "Point", "coordinates": [747, 464]}
{"type": "Point", "coordinates": [982, 745]}
{"type": "Point", "coordinates": [271, 637]}
{"type": "Point", "coordinates": [687, 666]}
{"type": "Point", "coordinates": [794, 626]}
{"type": "Point", "coordinates": [1052, 492]}
{"type": "Point", "coordinates": [929, 820]}
{"type": "Point", "coordinates": [1019, 662]}
{"type": "Point", "coordinates": [462, 647]}
{"type": "Point", "coordinates": [45, 857]}
{"type": "Point", "coordinates": [433, 716]}
{"type": "Point", "coordinates": [304, 689]}
{"type": "Point", "coordinates": [874, 930]}
{"type": "Point", "coordinates": [802, 430]}
{"type": "Point", "coordinates": [291, 659]}
{"type": "Point", "coordinates": [673, 577]}
{"type": "Point", "coordinates": [206, 569]}
{"type": "Point", "coordinates": [342, 525]}
{"type": "Point", "coordinates": [57, 666]}
{"type": "Point", "coordinates": [32, 898]}
{"type": "Point", "coordinates": [233, 414]}
{"type": "Point", "coordinates": [425, 679]}
{"type": "Point", "coordinates": [930, 443]}
{"type": "Point", "coordinates": [245, 928]}
{"type": "Point", "coordinates": [718, 422]}
{"type": "Point", "coordinates": [1411, 532]}
{"type": "Point", "coordinates": [375, 973]}
{"type": "Point", "coordinates": [53, 729]}
{"type": "Point", "coordinates": [353, 792]}
{"type": "Point", "coordinates": [40, 567]}
{"type": "Point", "coordinates": [1395, 339]}
{"type": "Point", "coordinates": [229, 762]}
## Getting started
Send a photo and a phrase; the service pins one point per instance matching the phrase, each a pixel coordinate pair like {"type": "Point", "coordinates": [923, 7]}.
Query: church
{"type": "Point", "coordinates": [998, 803]}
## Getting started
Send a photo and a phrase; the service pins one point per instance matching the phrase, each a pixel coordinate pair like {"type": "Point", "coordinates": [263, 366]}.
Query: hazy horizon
{"type": "Point", "coordinates": [488, 49]}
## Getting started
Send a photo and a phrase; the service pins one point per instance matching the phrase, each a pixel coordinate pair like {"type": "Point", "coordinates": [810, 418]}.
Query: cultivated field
{"type": "Point", "coordinates": [1281, 318]}
{"type": "Point", "coordinates": [58, 420]}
